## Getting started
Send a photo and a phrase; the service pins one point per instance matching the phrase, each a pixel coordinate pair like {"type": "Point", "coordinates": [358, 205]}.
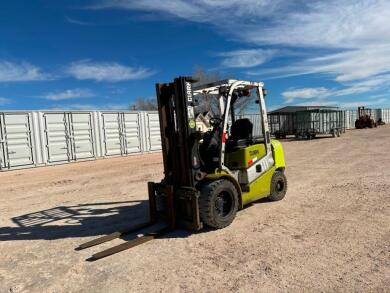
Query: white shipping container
{"type": "Point", "coordinates": [385, 115]}
{"type": "Point", "coordinates": [33, 138]}
{"type": "Point", "coordinates": [111, 134]}
{"type": "Point", "coordinates": [68, 136]}
{"type": "Point", "coordinates": [121, 133]}
{"type": "Point", "coordinates": [16, 140]}
{"type": "Point", "coordinates": [152, 131]}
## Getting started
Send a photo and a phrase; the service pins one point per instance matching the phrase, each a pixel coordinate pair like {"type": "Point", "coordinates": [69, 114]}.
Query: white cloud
{"type": "Point", "coordinates": [68, 94]}
{"type": "Point", "coordinates": [351, 65]}
{"type": "Point", "coordinates": [368, 103]}
{"type": "Point", "coordinates": [199, 11]}
{"type": "Point", "coordinates": [107, 71]}
{"type": "Point", "coordinates": [305, 93]}
{"type": "Point", "coordinates": [246, 58]}
{"type": "Point", "coordinates": [75, 21]}
{"type": "Point", "coordinates": [291, 95]}
{"type": "Point", "coordinates": [354, 34]}
{"type": "Point", "coordinates": [4, 101]}
{"type": "Point", "coordinates": [16, 72]}
{"type": "Point", "coordinates": [383, 102]}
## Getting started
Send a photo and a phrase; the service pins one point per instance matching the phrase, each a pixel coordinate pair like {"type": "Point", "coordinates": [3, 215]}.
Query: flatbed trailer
{"type": "Point", "coordinates": [307, 123]}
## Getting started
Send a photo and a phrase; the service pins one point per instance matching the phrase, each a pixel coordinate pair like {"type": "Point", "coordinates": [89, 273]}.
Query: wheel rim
{"type": "Point", "coordinates": [279, 186]}
{"type": "Point", "coordinates": [223, 204]}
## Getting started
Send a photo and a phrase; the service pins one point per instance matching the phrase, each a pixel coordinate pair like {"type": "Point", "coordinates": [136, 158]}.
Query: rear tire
{"type": "Point", "coordinates": [358, 125]}
{"type": "Point", "coordinates": [278, 186]}
{"type": "Point", "coordinates": [218, 203]}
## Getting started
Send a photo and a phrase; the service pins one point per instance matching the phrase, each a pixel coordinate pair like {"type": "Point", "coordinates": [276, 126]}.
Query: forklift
{"type": "Point", "coordinates": [364, 119]}
{"type": "Point", "coordinates": [208, 176]}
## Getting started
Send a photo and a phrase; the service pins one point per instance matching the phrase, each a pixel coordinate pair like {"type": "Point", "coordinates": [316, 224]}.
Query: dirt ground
{"type": "Point", "coordinates": [330, 233]}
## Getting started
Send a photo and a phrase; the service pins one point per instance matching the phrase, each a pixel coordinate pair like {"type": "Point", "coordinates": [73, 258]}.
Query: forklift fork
{"type": "Point", "coordinates": [171, 225]}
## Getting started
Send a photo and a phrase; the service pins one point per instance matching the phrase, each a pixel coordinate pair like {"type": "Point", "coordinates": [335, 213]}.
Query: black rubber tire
{"type": "Point", "coordinates": [358, 125]}
{"type": "Point", "coordinates": [278, 186]}
{"type": "Point", "coordinates": [209, 195]}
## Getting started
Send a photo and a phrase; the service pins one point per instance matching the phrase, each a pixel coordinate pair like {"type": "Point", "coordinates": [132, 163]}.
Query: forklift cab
{"type": "Point", "coordinates": [231, 143]}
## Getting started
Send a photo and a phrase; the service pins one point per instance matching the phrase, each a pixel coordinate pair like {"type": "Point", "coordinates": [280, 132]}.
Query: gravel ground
{"type": "Point", "coordinates": [330, 233]}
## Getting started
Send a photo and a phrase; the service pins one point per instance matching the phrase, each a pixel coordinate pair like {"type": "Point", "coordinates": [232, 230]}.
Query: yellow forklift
{"type": "Point", "coordinates": [209, 176]}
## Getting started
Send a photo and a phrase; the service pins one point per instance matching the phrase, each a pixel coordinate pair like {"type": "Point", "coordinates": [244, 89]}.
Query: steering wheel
{"type": "Point", "coordinates": [215, 121]}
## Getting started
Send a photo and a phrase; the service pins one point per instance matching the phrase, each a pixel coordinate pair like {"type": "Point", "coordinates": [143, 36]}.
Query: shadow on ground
{"type": "Point", "coordinates": [76, 221]}
{"type": "Point", "coordinates": [85, 220]}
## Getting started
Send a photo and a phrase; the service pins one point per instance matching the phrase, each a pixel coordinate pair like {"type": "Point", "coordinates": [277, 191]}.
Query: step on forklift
{"type": "Point", "coordinates": [208, 176]}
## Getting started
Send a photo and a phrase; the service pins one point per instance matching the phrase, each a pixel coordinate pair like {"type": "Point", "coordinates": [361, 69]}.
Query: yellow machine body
{"type": "Point", "coordinates": [261, 186]}
{"type": "Point", "coordinates": [245, 157]}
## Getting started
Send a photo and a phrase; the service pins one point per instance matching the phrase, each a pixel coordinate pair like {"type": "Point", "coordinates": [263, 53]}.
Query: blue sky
{"type": "Point", "coordinates": [103, 54]}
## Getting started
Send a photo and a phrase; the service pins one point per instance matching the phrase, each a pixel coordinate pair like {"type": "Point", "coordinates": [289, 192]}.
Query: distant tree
{"type": "Point", "coordinates": [144, 104]}
{"type": "Point", "coordinates": [204, 77]}
{"type": "Point", "coordinates": [206, 102]}
{"type": "Point", "coordinates": [209, 102]}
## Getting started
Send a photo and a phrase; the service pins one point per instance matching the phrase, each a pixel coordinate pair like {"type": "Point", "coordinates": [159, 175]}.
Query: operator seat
{"type": "Point", "coordinates": [240, 134]}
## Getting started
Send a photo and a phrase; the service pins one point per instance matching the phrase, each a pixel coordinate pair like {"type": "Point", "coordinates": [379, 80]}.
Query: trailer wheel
{"type": "Point", "coordinates": [218, 203]}
{"type": "Point", "coordinates": [278, 186]}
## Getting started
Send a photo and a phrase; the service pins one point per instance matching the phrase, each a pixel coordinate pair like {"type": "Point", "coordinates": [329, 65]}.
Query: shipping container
{"type": "Point", "coordinates": [350, 118]}
{"type": "Point", "coordinates": [16, 140]}
{"type": "Point", "coordinates": [152, 131]}
{"type": "Point", "coordinates": [35, 138]}
{"type": "Point", "coordinates": [385, 115]}
{"type": "Point", "coordinates": [121, 133]}
{"type": "Point", "coordinates": [68, 136]}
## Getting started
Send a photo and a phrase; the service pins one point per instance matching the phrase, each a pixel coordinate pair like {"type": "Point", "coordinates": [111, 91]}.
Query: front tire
{"type": "Point", "coordinates": [278, 186]}
{"type": "Point", "coordinates": [218, 203]}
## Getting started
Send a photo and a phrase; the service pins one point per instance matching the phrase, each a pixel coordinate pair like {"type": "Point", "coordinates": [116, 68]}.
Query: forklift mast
{"type": "Point", "coordinates": [178, 131]}
{"type": "Point", "coordinates": [181, 159]}
{"type": "Point", "coordinates": [362, 111]}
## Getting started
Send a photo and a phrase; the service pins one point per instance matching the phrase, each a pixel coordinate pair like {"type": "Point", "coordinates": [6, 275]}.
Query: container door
{"type": "Point", "coordinates": [112, 134]}
{"type": "Point", "coordinates": [131, 133]}
{"type": "Point", "coordinates": [386, 115]}
{"type": "Point", "coordinates": [56, 131]}
{"type": "Point", "coordinates": [153, 132]}
{"type": "Point", "coordinates": [2, 143]}
{"type": "Point", "coordinates": [17, 144]}
{"type": "Point", "coordinates": [81, 135]}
